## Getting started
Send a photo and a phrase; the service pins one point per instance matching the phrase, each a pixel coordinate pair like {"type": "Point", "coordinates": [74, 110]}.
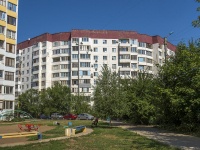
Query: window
{"type": "Point", "coordinates": [85, 64]}
{"type": "Point", "coordinates": [113, 57]}
{"type": "Point", "coordinates": [123, 49]}
{"type": "Point", "coordinates": [74, 56]}
{"type": "Point", "coordinates": [114, 41]}
{"type": "Point", "coordinates": [75, 48]}
{"type": "Point", "coordinates": [124, 41]}
{"type": "Point", "coordinates": [55, 67]}
{"type": "Point", "coordinates": [1, 73]}
{"type": "Point", "coordinates": [75, 40]}
{"type": "Point", "coordinates": [114, 50]}
{"type": "Point", "coordinates": [148, 53]}
{"type": "Point", "coordinates": [104, 57]}
{"type": "Point", "coordinates": [8, 89]}
{"type": "Point", "coordinates": [85, 89]}
{"type": "Point", "coordinates": [149, 60]}
{"type": "Point", "coordinates": [12, 7]}
{"type": "Point", "coordinates": [27, 56]}
{"type": "Point", "coordinates": [65, 58]}
{"type": "Point", "coordinates": [64, 66]}
{"type": "Point", "coordinates": [104, 49]}
{"type": "Point", "coordinates": [44, 44]}
{"type": "Point", "coordinates": [10, 48]}
{"type": "Point", "coordinates": [133, 49]}
{"type": "Point", "coordinates": [95, 74]}
{"type": "Point", "coordinates": [140, 67]}
{"type": "Point", "coordinates": [124, 56]}
{"type": "Point", "coordinates": [55, 75]}
{"type": "Point", "coordinates": [75, 65]}
{"type": "Point", "coordinates": [160, 53]}
{"type": "Point", "coordinates": [44, 51]}
{"type": "Point", "coordinates": [64, 74]}
{"type": "Point", "coordinates": [22, 79]}
{"type": "Point", "coordinates": [57, 59]}
{"type": "Point", "coordinates": [1, 44]}
{"type": "Point", "coordinates": [11, 20]}
{"type": "Point", "coordinates": [2, 15]}
{"type": "Point", "coordinates": [43, 67]}
{"type": "Point", "coordinates": [23, 58]}
{"type": "Point", "coordinates": [104, 41]}
{"type": "Point", "coordinates": [43, 75]}
{"type": "Point", "coordinates": [9, 76]}
{"type": "Point", "coordinates": [95, 49]}
{"type": "Point", "coordinates": [95, 57]}
{"type": "Point", "coordinates": [2, 29]}
{"type": "Point", "coordinates": [27, 71]}
{"type": "Point", "coordinates": [95, 41]}
{"type": "Point", "coordinates": [95, 65]}
{"type": "Point", "coordinates": [63, 43]}
{"type": "Point", "coordinates": [141, 51]}
{"type": "Point", "coordinates": [133, 57]}
{"type": "Point", "coordinates": [134, 65]}
{"type": "Point", "coordinates": [74, 73]}
{"type": "Point", "coordinates": [141, 44]}
{"type": "Point", "coordinates": [57, 51]}
{"type": "Point", "coordinates": [44, 59]}
{"type": "Point", "coordinates": [114, 66]}
{"type": "Point", "coordinates": [27, 64]}
{"type": "Point", "coordinates": [133, 41]}
{"type": "Point", "coordinates": [55, 44]}
{"type": "Point", "coordinates": [10, 62]}
{"type": "Point", "coordinates": [85, 39]}
{"type": "Point", "coordinates": [85, 56]}
{"type": "Point", "coordinates": [3, 2]}
{"type": "Point", "coordinates": [141, 59]}
{"type": "Point", "coordinates": [65, 51]}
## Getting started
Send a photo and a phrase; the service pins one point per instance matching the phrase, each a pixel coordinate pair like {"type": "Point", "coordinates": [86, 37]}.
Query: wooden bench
{"type": "Point", "coordinates": [20, 134]}
{"type": "Point", "coordinates": [78, 129]}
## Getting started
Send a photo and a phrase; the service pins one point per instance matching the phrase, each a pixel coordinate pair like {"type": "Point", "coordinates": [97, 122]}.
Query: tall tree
{"type": "Point", "coordinates": [30, 102]}
{"type": "Point", "coordinates": [109, 99]}
{"type": "Point", "coordinates": [196, 23]}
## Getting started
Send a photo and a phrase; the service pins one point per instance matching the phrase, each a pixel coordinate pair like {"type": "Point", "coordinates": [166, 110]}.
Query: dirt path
{"type": "Point", "coordinates": [184, 142]}
{"type": "Point", "coordinates": [15, 129]}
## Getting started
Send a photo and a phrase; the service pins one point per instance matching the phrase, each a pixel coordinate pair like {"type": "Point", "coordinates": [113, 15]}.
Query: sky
{"type": "Point", "coordinates": [151, 17]}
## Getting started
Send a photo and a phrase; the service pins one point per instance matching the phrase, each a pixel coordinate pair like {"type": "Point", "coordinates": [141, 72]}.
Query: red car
{"type": "Point", "coordinates": [70, 117]}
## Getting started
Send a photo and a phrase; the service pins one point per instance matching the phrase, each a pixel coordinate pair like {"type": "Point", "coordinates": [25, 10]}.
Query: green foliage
{"type": "Point", "coordinates": [30, 102]}
{"type": "Point", "coordinates": [109, 96]}
{"type": "Point", "coordinates": [196, 23]}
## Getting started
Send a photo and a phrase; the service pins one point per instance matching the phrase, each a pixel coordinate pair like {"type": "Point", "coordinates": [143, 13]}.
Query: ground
{"type": "Point", "coordinates": [15, 129]}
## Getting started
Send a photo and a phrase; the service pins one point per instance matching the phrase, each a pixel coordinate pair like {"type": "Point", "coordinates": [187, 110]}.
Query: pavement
{"type": "Point", "coordinates": [185, 142]}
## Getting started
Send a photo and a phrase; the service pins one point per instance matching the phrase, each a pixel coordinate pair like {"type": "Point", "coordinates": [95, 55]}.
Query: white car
{"type": "Point", "coordinates": [56, 116]}
{"type": "Point", "coordinates": [85, 116]}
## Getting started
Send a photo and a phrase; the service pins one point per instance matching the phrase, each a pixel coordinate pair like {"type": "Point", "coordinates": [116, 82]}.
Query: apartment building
{"type": "Point", "coordinates": [8, 38]}
{"type": "Point", "coordinates": [75, 58]}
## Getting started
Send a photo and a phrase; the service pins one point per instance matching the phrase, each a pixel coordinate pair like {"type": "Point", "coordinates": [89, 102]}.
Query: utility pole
{"type": "Point", "coordinates": [165, 48]}
{"type": "Point", "coordinates": [165, 45]}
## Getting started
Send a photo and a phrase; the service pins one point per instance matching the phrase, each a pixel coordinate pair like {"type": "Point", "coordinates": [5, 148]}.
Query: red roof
{"type": "Point", "coordinates": [99, 34]}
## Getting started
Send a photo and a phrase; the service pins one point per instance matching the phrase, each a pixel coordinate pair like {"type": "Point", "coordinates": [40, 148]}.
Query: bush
{"type": "Point", "coordinates": [18, 119]}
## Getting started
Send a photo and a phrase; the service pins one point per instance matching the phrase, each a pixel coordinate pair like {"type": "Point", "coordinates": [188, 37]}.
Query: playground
{"type": "Point", "coordinates": [15, 129]}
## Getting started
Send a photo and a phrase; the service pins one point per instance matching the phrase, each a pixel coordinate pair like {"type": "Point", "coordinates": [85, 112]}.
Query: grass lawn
{"type": "Point", "coordinates": [103, 138]}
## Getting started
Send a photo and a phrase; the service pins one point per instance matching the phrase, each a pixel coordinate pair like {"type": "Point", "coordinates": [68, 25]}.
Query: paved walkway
{"type": "Point", "coordinates": [184, 142]}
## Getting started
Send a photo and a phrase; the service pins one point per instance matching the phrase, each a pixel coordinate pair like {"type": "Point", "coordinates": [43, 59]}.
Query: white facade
{"type": "Point", "coordinates": [8, 38]}
{"type": "Point", "coordinates": [48, 62]}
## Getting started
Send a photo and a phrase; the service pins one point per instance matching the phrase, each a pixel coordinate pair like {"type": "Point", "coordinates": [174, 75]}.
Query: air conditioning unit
{"type": "Point", "coordinates": [96, 60]}
{"type": "Point", "coordinates": [95, 69]}
{"type": "Point", "coordinates": [91, 65]}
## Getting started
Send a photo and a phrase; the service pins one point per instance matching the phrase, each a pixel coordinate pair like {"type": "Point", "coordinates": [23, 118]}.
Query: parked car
{"type": "Point", "coordinates": [70, 117]}
{"type": "Point", "coordinates": [56, 116]}
{"type": "Point", "coordinates": [85, 116]}
{"type": "Point", "coordinates": [43, 116]}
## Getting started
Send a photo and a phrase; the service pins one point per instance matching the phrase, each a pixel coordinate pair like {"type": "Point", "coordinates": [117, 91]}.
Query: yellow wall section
{"type": "Point", "coordinates": [13, 1]}
{"type": "Point", "coordinates": [2, 37]}
{"type": "Point", "coordinates": [11, 41]}
{"type": "Point", "coordinates": [12, 13]}
{"type": "Point", "coordinates": [2, 23]}
{"type": "Point", "coordinates": [2, 8]}
{"type": "Point", "coordinates": [11, 27]}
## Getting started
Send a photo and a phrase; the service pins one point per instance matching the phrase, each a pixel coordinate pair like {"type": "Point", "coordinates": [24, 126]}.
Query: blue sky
{"type": "Point", "coordinates": [152, 17]}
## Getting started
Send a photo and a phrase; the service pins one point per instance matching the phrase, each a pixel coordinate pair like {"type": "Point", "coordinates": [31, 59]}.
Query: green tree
{"type": "Point", "coordinates": [56, 99]}
{"type": "Point", "coordinates": [109, 98]}
{"type": "Point", "coordinates": [196, 23]}
{"type": "Point", "coordinates": [30, 102]}
{"type": "Point", "coordinates": [180, 86]}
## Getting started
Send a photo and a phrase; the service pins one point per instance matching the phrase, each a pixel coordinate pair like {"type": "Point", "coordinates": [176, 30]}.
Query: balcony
{"type": "Point", "coordinates": [85, 85]}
